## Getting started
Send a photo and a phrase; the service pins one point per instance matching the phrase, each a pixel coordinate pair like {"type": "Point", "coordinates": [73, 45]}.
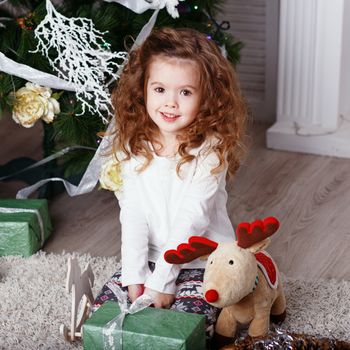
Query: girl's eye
{"type": "Point", "coordinates": [186, 92]}
{"type": "Point", "coordinates": [159, 89]}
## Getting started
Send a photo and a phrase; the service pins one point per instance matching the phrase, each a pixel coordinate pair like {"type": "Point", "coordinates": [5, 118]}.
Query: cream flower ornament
{"type": "Point", "coordinates": [111, 176]}
{"type": "Point", "coordinates": [33, 102]}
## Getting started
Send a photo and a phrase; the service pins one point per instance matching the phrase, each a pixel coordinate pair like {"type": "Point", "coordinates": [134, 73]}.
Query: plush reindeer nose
{"type": "Point", "coordinates": [211, 295]}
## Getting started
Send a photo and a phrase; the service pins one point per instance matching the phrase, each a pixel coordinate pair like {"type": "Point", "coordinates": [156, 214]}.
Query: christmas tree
{"type": "Point", "coordinates": [73, 117]}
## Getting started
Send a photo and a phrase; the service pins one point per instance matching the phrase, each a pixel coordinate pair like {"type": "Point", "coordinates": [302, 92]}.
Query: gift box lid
{"type": "Point", "coordinates": [20, 232]}
{"type": "Point", "coordinates": [36, 204]}
{"type": "Point", "coordinates": [148, 329]}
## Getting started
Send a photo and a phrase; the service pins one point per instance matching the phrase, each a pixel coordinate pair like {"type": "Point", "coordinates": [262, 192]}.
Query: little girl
{"type": "Point", "coordinates": [180, 121]}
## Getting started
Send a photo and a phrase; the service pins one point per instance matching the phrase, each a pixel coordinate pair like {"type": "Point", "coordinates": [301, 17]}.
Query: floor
{"type": "Point", "coordinates": [308, 194]}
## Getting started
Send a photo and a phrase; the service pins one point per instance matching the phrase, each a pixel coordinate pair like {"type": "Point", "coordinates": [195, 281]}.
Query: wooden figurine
{"type": "Point", "coordinates": [80, 285]}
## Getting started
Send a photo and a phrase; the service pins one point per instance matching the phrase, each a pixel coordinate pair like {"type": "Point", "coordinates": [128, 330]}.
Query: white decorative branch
{"type": "Point", "coordinates": [83, 57]}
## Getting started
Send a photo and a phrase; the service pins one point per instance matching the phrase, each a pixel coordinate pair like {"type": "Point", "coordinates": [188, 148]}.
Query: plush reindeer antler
{"type": "Point", "coordinates": [186, 252]}
{"type": "Point", "coordinates": [257, 231]}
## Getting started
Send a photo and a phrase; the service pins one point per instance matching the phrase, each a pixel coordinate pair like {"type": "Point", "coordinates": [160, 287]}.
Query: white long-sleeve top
{"type": "Point", "coordinates": [160, 210]}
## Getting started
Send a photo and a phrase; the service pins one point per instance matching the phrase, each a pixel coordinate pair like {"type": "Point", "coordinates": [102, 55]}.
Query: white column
{"type": "Point", "coordinates": [313, 78]}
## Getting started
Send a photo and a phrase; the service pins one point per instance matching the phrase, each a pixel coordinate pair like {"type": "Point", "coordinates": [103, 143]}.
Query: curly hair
{"type": "Point", "coordinates": [222, 112]}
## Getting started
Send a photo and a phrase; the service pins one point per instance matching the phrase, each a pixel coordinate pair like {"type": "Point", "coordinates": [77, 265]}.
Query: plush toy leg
{"type": "Point", "coordinates": [278, 309]}
{"type": "Point", "coordinates": [225, 329]}
{"type": "Point", "coordinates": [220, 341]}
{"type": "Point", "coordinates": [259, 326]}
{"type": "Point", "coordinates": [226, 324]}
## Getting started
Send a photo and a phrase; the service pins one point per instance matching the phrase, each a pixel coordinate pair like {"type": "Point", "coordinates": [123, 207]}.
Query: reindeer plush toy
{"type": "Point", "coordinates": [239, 277]}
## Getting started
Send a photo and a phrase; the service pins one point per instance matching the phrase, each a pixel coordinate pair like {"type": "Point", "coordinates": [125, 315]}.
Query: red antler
{"type": "Point", "coordinates": [257, 231]}
{"type": "Point", "coordinates": [186, 252]}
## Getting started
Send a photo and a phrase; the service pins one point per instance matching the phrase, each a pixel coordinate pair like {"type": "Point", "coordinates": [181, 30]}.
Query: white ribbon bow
{"type": "Point", "coordinates": [116, 324]}
{"type": "Point", "coordinates": [140, 6]}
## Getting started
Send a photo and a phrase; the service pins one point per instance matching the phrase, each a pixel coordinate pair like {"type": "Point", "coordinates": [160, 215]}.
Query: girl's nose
{"type": "Point", "coordinates": [171, 101]}
{"type": "Point", "coordinates": [171, 104]}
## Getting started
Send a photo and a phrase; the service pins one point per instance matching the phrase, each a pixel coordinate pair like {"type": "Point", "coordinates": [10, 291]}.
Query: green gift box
{"type": "Point", "coordinates": [149, 329]}
{"type": "Point", "coordinates": [24, 226]}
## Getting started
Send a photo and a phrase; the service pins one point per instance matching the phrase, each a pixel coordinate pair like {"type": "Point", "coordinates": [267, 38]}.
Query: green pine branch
{"type": "Point", "coordinates": [71, 128]}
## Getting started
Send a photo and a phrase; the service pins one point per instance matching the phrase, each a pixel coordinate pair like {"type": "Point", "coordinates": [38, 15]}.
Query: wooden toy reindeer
{"type": "Point", "coordinates": [80, 284]}
{"type": "Point", "coordinates": [239, 277]}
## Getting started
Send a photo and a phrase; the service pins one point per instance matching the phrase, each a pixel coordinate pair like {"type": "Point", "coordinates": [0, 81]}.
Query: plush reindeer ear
{"type": "Point", "coordinates": [249, 235]}
{"type": "Point", "coordinates": [259, 246]}
{"type": "Point", "coordinates": [204, 257]}
{"type": "Point", "coordinates": [186, 252]}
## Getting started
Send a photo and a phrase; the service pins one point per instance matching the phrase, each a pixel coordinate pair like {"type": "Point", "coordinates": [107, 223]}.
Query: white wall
{"type": "Point", "coordinates": [255, 23]}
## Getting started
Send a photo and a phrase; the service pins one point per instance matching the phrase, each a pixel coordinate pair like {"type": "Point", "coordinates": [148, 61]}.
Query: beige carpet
{"type": "Point", "coordinates": [33, 302]}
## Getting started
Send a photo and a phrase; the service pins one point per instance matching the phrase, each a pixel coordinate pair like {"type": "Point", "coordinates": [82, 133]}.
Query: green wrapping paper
{"type": "Point", "coordinates": [23, 232]}
{"type": "Point", "coordinates": [149, 329]}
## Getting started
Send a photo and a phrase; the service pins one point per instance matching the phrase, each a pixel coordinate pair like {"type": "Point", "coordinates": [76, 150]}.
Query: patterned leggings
{"type": "Point", "coordinates": [188, 298]}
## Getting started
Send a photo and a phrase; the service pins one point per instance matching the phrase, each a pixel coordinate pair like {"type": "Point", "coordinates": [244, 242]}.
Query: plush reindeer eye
{"type": "Point", "coordinates": [231, 262]}
{"type": "Point", "coordinates": [211, 262]}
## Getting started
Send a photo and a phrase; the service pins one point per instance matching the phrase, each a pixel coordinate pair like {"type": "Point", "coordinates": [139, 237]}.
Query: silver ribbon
{"type": "Point", "coordinates": [116, 324]}
{"type": "Point", "coordinates": [89, 179]}
{"type": "Point", "coordinates": [146, 30]}
{"type": "Point", "coordinates": [4, 19]}
{"type": "Point", "coordinates": [31, 74]}
{"type": "Point", "coordinates": [25, 210]}
{"type": "Point", "coordinates": [138, 6]}
{"type": "Point", "coordinates": [47, 159]}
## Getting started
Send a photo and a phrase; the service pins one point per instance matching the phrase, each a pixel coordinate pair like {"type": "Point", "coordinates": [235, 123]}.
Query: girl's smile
{"type": "Point", "coordinates": [172, 95]}
{"type": "Point", "coordinates": [169, 117]}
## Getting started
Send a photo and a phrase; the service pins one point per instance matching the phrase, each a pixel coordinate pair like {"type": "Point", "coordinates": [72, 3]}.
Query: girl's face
{"type": "Point", "coordinates": [172, 94]}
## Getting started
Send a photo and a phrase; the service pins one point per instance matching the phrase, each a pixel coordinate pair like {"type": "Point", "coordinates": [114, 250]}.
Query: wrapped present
{"type": "Point", "coordinates": [149, 329]}
{"type": "Point", "coordinates": [24, 226]}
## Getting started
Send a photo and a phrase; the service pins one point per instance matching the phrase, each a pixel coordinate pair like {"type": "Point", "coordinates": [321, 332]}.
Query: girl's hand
{"type": "Point", "coordinates": [134, 291]}
{"type": "Point", "coordinates": [161, 300]}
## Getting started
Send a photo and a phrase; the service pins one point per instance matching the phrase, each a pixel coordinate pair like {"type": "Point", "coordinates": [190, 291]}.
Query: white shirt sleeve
{"type": "Point", "coordinates": [134, 228]}
{"type": "Point", "coordinates": [191, 219]}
